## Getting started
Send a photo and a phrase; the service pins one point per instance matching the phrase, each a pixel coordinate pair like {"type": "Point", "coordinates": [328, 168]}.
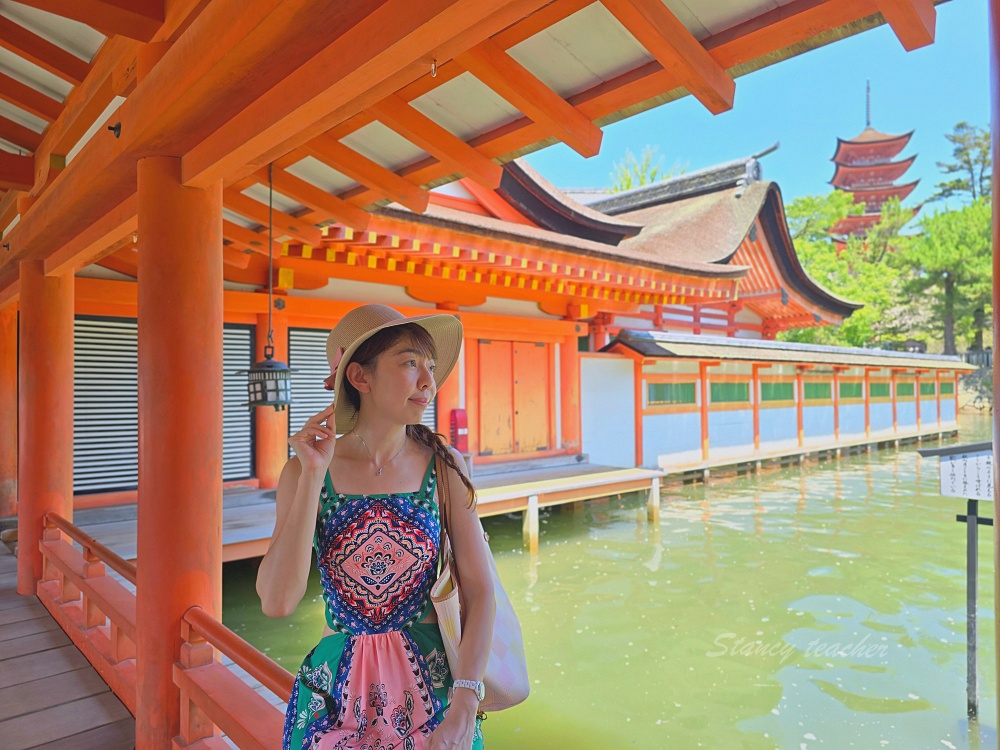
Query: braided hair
{"type": "Point", "coordinates": [366, 356]}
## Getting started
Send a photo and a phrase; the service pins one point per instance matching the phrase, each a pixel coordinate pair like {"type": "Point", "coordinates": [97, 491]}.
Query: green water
{"type": "Point", "coordinates": [821, 607]}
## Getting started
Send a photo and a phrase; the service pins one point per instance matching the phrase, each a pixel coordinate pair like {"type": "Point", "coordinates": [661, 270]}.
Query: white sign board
{"type": "Point", "coordinates": [968, 475]}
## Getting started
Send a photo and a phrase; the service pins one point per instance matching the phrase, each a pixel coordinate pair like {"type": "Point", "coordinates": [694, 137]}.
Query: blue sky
{"type": "Point", "coordinates": [809, 101]}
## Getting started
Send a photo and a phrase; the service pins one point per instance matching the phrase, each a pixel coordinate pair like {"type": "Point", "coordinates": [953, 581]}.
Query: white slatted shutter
{"type": "Point", "coordinates": [237, 419]}
{"type": "Point", "coordinates": [105, 405]}
{"type": "Point", "coordinates": [307, 354]}
{"type": "Point", "coordinates": [105, 408]}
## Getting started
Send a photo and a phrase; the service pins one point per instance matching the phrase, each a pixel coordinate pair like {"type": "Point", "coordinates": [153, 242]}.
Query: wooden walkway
{"type": "Point", "coordinates": [50, 696]}
{"type": "Point", "coordinates": [248, 515]}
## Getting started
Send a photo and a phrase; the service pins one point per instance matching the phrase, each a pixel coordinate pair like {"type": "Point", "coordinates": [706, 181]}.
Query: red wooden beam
{"type": "Point", "coordinates": [348, 161]}
{"type": "Point", "coordinates": [16, 172]}
{"type": "Point", "coordinates": [511, 80]}
{"type": "Point", "coordinates": [283, 223]}
{"type": "Point", "coordinates": [912, 21]}
{"type": "Point", "coordinates": [42, 52]}
{"type": "Point", "coordinates": [435, 140]}
{"type": "Point", "coordinates": [29, 99]}
{"type": "Point", "coordinates": [401, 38]}
{"type": "Point", "coordinates": [317, 199]}
{"type": "Point", "coordinates": [676, 49]}
{"type": "Point", "coordinates": [19, 135]}
{"type": "Point", "coordinates": [135, 19]}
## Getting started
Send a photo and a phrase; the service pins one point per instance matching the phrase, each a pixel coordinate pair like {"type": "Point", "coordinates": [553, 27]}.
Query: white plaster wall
{"type": "Point", "coordinates": [607, 407]}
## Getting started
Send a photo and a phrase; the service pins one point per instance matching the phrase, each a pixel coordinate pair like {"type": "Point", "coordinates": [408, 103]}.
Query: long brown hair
{"type": "Point", "coordinates": [367, 355]}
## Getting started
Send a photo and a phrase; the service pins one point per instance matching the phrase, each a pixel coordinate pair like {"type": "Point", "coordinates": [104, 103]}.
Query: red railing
{"type": "Point", "coordinates": [212, 696]}
{"type": "Point", "coordinates": [96, 611]}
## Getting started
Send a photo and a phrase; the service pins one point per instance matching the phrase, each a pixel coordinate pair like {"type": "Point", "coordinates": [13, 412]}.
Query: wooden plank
{"type": "Point", "coordinates": [283, 223]}
{"type": "Point", "coordinates": [43, 53]}
{"type": "Point", "coordinates": [11, 599]}
{"type": "Point", "coordinates": [17, 614]}
{"type": "Point", "coordinates": [118, 735]}
{"type": "Point", "coordinates": [29, 99]}
{"type": "Point", "coordinates": [318, 199]}
{"type": "Point", "coordinates": [435, 140]}
{"type": "Point", "coordinates": [676, 49]}
{"type": "Point", "coordinates": [35, 666]}
{"type": "Point", "coordinates": [32, 730]}
{"type": "Point", "coordinates": [29, 697]}
{"type": "Point", "coordinates": [18, 134]}
{"type": "Point", "coordinates": [16, 172]}
{"type": "Point", "coordinates": [35, 643]}
{"type": "Point", "coordinates": [913, 21]}
{"type": "Point", "coordinates": [135, 19]}
{"type": "Point", "coordinates": [27, 627]}
{"type": "Point", "coordinates": [511, 80]}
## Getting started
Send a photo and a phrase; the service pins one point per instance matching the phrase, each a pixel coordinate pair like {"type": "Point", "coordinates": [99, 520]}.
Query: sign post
{"type": "Point", "coordinates": [967, 472]}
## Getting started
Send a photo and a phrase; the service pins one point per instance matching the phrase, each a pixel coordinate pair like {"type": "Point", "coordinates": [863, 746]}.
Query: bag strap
{"type": "Point", "coordinates": [444, 510]}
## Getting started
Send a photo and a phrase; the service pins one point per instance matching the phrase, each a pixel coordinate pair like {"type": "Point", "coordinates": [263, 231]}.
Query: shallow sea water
{"type": "Point", "coordinates": [812, 607]}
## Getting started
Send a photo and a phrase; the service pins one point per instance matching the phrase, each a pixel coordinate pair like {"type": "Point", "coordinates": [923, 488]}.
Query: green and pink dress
{"type": "Point", "coordinates": [381, 680]}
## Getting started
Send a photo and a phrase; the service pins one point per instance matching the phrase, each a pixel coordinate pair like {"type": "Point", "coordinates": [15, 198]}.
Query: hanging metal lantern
{"type": "Point", "coordinates": [269, 382]}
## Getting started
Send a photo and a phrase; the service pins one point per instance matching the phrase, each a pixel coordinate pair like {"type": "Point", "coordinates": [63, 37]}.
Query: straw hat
{"type": "Point", "coordinates": [365, 321]}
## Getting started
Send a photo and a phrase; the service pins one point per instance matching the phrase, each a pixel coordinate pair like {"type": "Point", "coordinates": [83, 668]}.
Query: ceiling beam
{"type": "Point", "coordinates": [512, 81]}
{"type": "Point", "coordinates": [435, 140]}
{"type": "Point", "coordinates": [29, 99]}
{"type": "Point", "coordinates": [912, 21]}
{"type": "Point", "coordinates": [349, 162]}
{"type": "Point", "coordinates": [676, 49]}
{"type": "Point", "coordinates": [89, 243]}
{"type": "Point", "coordinates": [135, 19]}
{"type": "Point", "coordinates": [317, 199]}
{"type": "Point", "coordinates": [16, 172]}
{"type": "Point", "coordinates": [43, 53]}
{"type": "Point", "coordinates": [19, 135]}
{"type": "Point", "coordinates": [283, 223]}
{"type": "Point", "coordinates": [247, 238]}
{"type": "Point", "coordinates": [344, 77]}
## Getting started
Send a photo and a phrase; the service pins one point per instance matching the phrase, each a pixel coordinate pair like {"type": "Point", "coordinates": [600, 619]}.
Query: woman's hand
{"type": "Point", "coordinates": [314, 444]}
{"type": "Point", "coordinates": [456, 730]}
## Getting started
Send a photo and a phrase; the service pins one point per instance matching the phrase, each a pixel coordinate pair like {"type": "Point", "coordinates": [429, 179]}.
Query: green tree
{"type": "Point", "coordinates": [972, 165]}
{"type": "Point", "coordinates": [857, 271]}
{"type": "Point", "coordinates": [949, 269]}
{"type": "Point", "coordinates": [632, 173]}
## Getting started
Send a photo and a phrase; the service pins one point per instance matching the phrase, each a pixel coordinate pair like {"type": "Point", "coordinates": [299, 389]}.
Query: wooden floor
{"type": "Point", "coordinates": [50, 696]}
{"type": "Point", "coordinates": [248, 515]}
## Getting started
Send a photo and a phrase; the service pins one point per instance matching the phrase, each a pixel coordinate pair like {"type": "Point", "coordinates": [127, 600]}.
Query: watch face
{"type": "Point", "coordinates": [480, 690]}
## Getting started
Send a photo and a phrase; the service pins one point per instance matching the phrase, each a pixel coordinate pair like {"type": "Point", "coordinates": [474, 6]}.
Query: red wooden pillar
{"type": "Point", "coordinates": [892, 397]}
{"type": "Point", "coordinates": [180, 430]}
{"type": "Point", "coordinates": [703, 407]}
{"type": "Point", "coordinates": [569, 390]}
{"type": "Point", "coordinates": [8, 411]}
{"type": "Point", "coordinates": [937, 394]}
{"type": "Point", "coordinates": [800, 397]}
{"type": "Point", "coordinates": [868, 402]}
{"type": "Point", "coordinates": [45, 412]}
{"type": "Point", "coordinates": [270, 425]}
{"type": "Point", "coordinates": [755, 385]}
{"type": "Point", "coordinates": [447, 400]}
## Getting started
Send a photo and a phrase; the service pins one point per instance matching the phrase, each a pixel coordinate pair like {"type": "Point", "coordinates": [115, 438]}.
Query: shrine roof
{"type": "Point", "coordinates": [661, 344]}
{"type": "Point", "coordinates": [493, 228]}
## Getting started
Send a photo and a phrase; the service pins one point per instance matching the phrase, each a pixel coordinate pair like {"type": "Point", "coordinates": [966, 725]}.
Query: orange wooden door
{"type": "Point", "coordinates": [496, 429]}
{"type": "Point", "coordinates": [531, 397]}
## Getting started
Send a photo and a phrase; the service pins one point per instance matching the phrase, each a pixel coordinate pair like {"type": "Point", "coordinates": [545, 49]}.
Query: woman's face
{"type": "Point", "coordinates": [403, 383]}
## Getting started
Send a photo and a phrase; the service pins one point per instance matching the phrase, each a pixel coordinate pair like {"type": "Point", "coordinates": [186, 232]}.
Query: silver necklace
{"type": "Point", "coordinates": [379, 471]}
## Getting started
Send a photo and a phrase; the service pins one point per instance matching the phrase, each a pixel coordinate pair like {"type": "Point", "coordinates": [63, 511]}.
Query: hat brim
{"type": "Point", "coordinates": [446, 330]}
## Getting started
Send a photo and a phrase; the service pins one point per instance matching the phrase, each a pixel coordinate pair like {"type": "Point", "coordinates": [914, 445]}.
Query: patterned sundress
{"type": "Point", "coordinates": [381, 680]}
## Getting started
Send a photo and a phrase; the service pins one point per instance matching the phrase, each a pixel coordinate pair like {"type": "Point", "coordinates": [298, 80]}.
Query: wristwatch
{"type": "Point", "coordinates": [477, 687]}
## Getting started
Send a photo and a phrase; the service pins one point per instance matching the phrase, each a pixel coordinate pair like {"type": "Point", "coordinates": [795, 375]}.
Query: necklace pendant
{"type": "Point", "coordinates": [378, 473]}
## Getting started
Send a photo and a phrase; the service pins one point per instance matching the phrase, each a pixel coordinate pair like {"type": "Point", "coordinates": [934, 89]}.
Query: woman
{"type": "Point", "coordinates": [379, 677]}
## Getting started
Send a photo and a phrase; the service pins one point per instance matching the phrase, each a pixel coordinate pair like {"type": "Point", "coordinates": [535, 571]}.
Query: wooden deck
{"type": "Point", "coordinates": [50, 696]}
{"type": "Point", "coordinates": [248, 515]}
